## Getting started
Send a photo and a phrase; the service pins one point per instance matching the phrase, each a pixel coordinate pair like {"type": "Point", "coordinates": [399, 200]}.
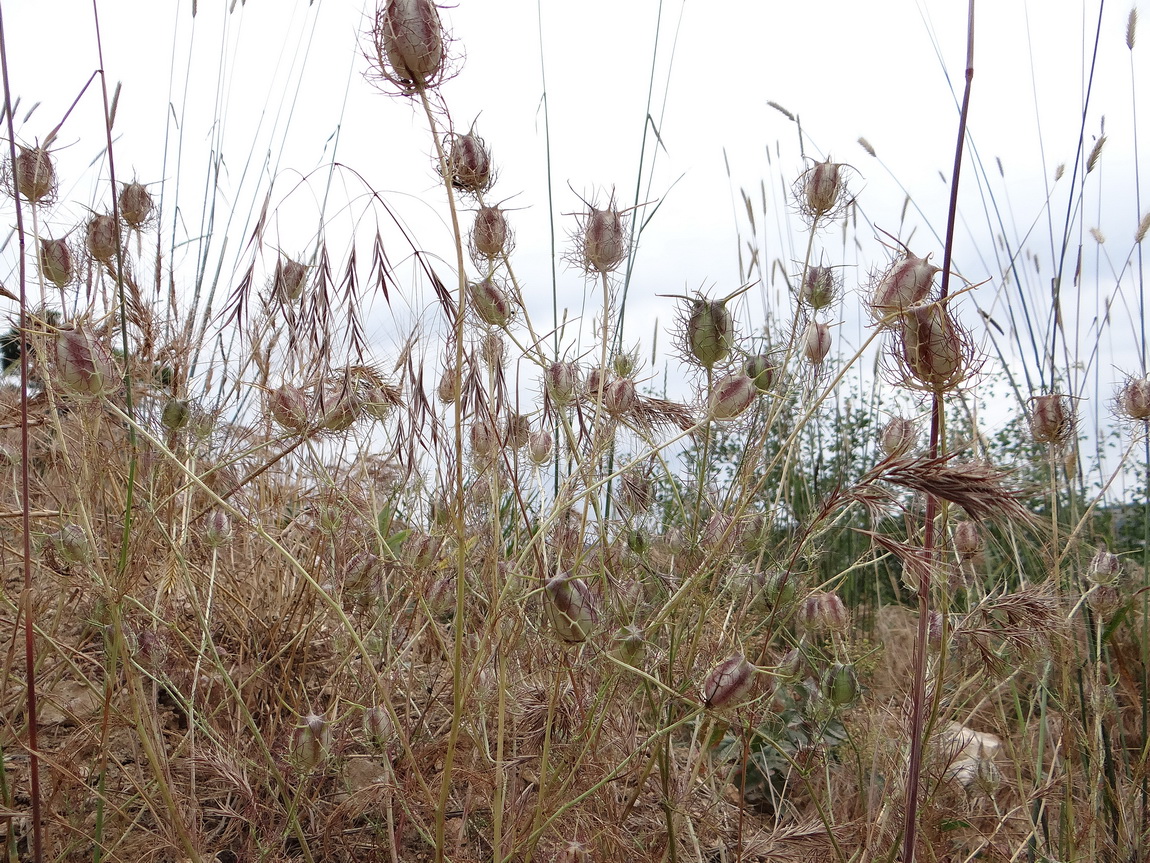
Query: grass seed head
{"type": "Point", "coordinates": [729, 682]}
{"type": "Point", "coordinates": [136, 206]}
{"type": "Point", "coordinates": [34, 175]}
{"type": "Point", "coordinates": [56, 262]}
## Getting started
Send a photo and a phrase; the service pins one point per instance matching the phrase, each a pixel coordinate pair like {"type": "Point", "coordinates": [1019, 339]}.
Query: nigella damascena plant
{"type": "Point", "coordinates": [290, 279]}
{"type": "Point", "coordinates": [729, 683]}
{"type": "Point", "coordinates": [540, 447]}
{"type": "Point", "coordinates": [620, 397]}
{"type": "Point", "coordinates": [761, 368]}
{"type": "Point", "coordinates": [34, 175]}
{"type": "Point", "coordinates": [571, 608]}
{"type": "Point", "coordinates": [409, 44]}
{"type": "Point", "coordinates": [898, 437]}
{"type": "Point", "coordinates": [102, 238]}
{"type": "Point", "coordinates": [1134, 400]}
{"type": "Point", "coordinates": [816, 342]}
{"type": "Point", "coordinates": [819, 288]}
{"type": "Point", "coordinates": [217, 529]}
{"type": "Point", "coordinates": [934, 347]}
{"type": "Point", "coordinates": [709, 331]}
{"type": "Point", "coordinates": [83, 364]}
{"type": "Point", "coordinates": [56, 262]}
{"type": "Point", "coordinates": [491, 302]}
{"type": "Point", "coordinates": [603, 239]}
{"type": "Point", "coordinates": [469, 163]}
{"type": "Point", "coordinates": [490, 234]}
{"type": "Point", "coordinates": [968, 540]}
{"type": "Point", "coordinates": [136, 205]}
{"type": "Point", "coordinates": [840, 684]}
{"type": "Point", "coordinates": [1105, 568]}
{"type": "Point", "coordinates": [1051, 418]}
{"type": "Point", "coordinates": [288, 406]}
{"type": "Point", "coordinates": [906, 283]}
{"type": "Point", "coordinates": [731, 395]}
{"type": "Point", "coordinates": [822, 189]}
{"type": "Point", "coordinates": [312, 742]}
{"type": "Point", "coordinates": [561, 380]}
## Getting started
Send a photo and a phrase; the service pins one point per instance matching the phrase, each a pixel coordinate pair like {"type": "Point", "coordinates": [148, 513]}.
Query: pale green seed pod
{"type": "Point", "coordinates": [710, 331]}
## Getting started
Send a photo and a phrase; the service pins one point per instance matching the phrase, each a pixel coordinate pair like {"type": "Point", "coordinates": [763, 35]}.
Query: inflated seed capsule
{"type": "Point", "coordinates": [710, 331]}
{"type": "Point", "coordinates": [729, 682]}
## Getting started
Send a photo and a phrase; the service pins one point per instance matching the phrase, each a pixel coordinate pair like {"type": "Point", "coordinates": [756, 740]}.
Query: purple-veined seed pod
{"type": "Point", "coordinates": [1104, 600]}
{"type": "Point", "coordinates": [447, 390]}
{"type": "Point", "coordinates": [898, 437]}
{"type": "Point", "coordinates": [571, 608]}
{"type": "Point", "coordinates": [102, 238]}
{"type": "Point", "coordinates": [968, 539]}
{"type": "Point", "coordinates": [628, 644]}
{"type": "Point", "coordinates": [490, 234]}
{"type": "Point", "coordinates": [933, 346]}
{"type": "Point", "coordinates": [362, 573]}
{"type": "Point", "coordinates": [517, 431]}
{"type": "Point", "coordinates": [491, 302]}
{"type": "Point", "coordinates": [906, 283]}
{"type": "Point", "coordinates": [83, 364]}
{"type": "Point", "coordinates": [561, 380]}
{"type": "Point", "coordinates": [777, 589]}
{"type": "Point", "coordinates": [833, 612]}
{"type": "Point", "coordinates": [761, 370]}
{"type": "Point", "coordinates": [816, 342]}
{"type": "Point", "coordinates": [729, 683]}
{"type": "Point", "coordinates": [338, 407]}
{"type": "Point", "coordinates": [540, 447]}
{"type": "Point", "coordinates": [574, 852]}
{"type": "Point", "coordinates": [720, 531]}
{"type": "Point", "coordinates": [620, 397]}
{"type": "Point", "coordinates": [840, 684]}
{"type": "Point", "coordinates": [217, 529]}
{"type": "Point", "coordinates": [1105, 568]}
{"type": "Point", "coordinates": [1134, 399]}
{"type": "Point", "coordinates": [312, 742]}
{"type": "Point", "coordinates": [809, 613]}
{"type": "Point", "coordinates": [823, 188]}
{"type": "Point", "coordinates": [409, 42]}
{"type": "Point", "coordinates": [1051, 418]}
{"type": "Point", "coordinates": [56, 262]}
{"type": "Point", "coordinates": [604, 239]}
{"type": "Point", "coordinates": [732, 395]}
{"type": "Point", "coordinates": [469, 162]}
{"type": "Point", "coordinates": [934, 628]}
{"type": "Point", "coordinates": [484, 440]}
{"type": "Point", "coordinates": [136, 205]}
{"type": "Point", "coordinates": [625, 363]}
{"type": "Point", "coordinates": [377, 727]}
{"type": "Point", "coordinates": [819, 288]}
{"type": "Point", "coordinates": [709, 331]}
{"type": "Point", "coordinates": [288, 407]}
{"type": "Point", "coordinates": [33, 174]}
{"type": "Point", "coordinates": [290, 280]}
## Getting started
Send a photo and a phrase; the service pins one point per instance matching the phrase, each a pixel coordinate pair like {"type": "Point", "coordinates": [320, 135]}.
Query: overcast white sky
{"type": "Point", "coordinates": [269, 85]}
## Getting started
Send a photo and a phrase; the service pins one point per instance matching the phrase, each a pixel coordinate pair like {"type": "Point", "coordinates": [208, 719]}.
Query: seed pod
{"type": "Point", "coordinates": [83, 364]}
{"type": "Point", "coordinates": [449, 383]}
{"type": "Point", "coordinates": [175, 414]}
{"type": "Point", "coordinates": [833, 612]}
{"type": "Point", "coordinates": [777, 590]}
{"type": "Point", "coordinates": [933, 347]}
{"type": "Point", "coordinates": [604, 239]}
{"type": "Point", "coordinates": [822, 188]}
{"type": "Point", "coordinates": [934, 628]}
{"type": "Point", "coordinates": [484, 440]}
{"type": "Point", "coordinates": [33, 174]}
{"type": "Point", "coordinates": [906, 283]}
{"type": "Point", "coordinates": [968, 540]}
{"type": "Point", "coordinates": [761, 369]}
{"type": "Point", "coordinates": [1104, 600]}
{"type": "Point", "coordinates": [517, 431]}
{"type": "Point", "coordinates": [817, 342]}
{"type": "Point", "coordinates": [819, 287]}
{"type": "Point", "coordinates": [1051, 418]}
{"type": "Point", "coordinates": [625, 363]}
{"type": "Point", "coordinates": [1134, 399]}
{"type": "Point", "coordinates": [409, 43]}
{"type": "Point", "coordinates": [1105, 568]}
{"type": "Point", "coordinates": [71, 545]}
{"type": "Point", "coordinates": [620, 397]}
{"type": "Point", "coordinates": [628, 645]}
{"type": "Point", "coordinates": [290, 279]}
{"type": "Point", "coordinates": [135, 205]}
{"type": "Point", "coordinates": [635, 493]}
{"type": "Point", "coordinates": [561, 381]}
{"type": "Point", "coordinates": [469, 162]}
{"type": "Point", "coordinates": [377, 727]}
{"type": "Point", "coordinates": [840, 684]}
{"type": "Point", "coordinates": [638, 541]}
{"type": "Point", "coordinates": [574, 852]}
{"type": "Point", "coordinates": [312, 742]}
{"type": "Point", "coordinates": [729, 682]}
{"type": "Point", "coordinates": [490, 302]}
{"type": "Point", "coordinates": [288, 407]}
{"type": "Point", "coordinates": [570, 608]}
{"type": "Point", "coordinates": [56, 262]}
{"type": "Point", "coordinates": [217, 529]}
{"type": "Point", "coordinates": [102, 238]}
{"type": "Point", "coordinates": [490, 234]}
{"type": "Point", "coordinates": [732, 395]}
{"type": "Point", "coordinates": [540, 447]}
{"type": "Point", "coordinates": [338, 407]}
{"type": "Point", "coordinates": [710, 331]}
{"type": "Point", "coordinates": [898, 437]}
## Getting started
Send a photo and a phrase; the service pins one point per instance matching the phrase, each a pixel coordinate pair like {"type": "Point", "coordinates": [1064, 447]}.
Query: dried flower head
{"type": "Point", "coordinates": [490, 234]}
{"type": "Point", "coordinates": [56, 262]}
{"type": "Point", "coordinates": [729, 683]}
{"type": "Point", "coordinates": [602, 239]}
{"type": "Point", "coordinates": [409, 44]}
{"type": "Point", "coordinates": [217, 528]}
{"type": "Point", "coordinates": [906, 283]}
{"type": "Point", "coordinates": [290, 279]}
{"type": "Point", "coordinates": [469, 163]}
{"type": "Point", "coordinates": [136, 206]}
{"type": "Point", "coordinates": [1134, 399]}
{"type": "Point", "coordinates": [102, 238]}
{"type": "Point", "coordinates": [34, 175]}
{"type": "Point", "coordinates": [377, 727]}
{"type": "Point", "coordinates": [1051, 418]}
{"type": "Point", "coordinates": [709, 331]}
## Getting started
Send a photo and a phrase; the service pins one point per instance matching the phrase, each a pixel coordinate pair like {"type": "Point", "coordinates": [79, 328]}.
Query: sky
{"type": "Point", "coordinates": [277, 90]}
